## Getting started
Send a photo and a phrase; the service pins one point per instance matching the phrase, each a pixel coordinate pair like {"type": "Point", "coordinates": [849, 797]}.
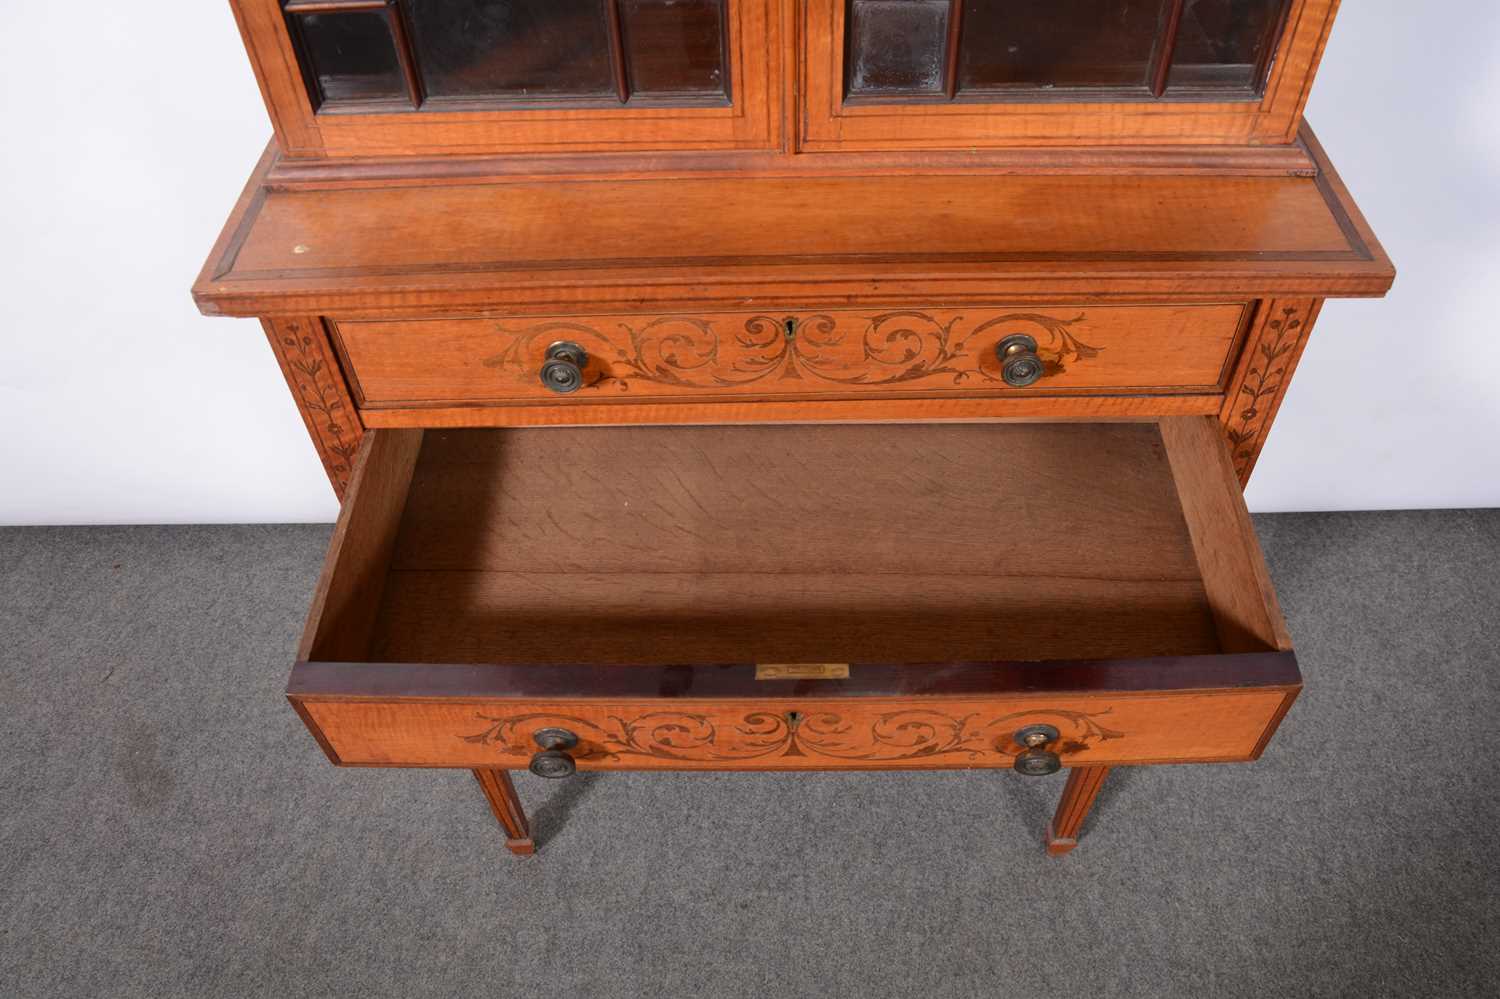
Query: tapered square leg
{"type": "Point", "coordinates": [501, 794]}
{"type": "Point", "coordinates": [1077, 798]}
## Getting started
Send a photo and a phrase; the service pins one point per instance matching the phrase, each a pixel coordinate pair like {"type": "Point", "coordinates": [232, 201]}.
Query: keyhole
{"type": "Point", "coordinates": [790, 325]}
{"type": "Point", "coordinates": [793, 719]}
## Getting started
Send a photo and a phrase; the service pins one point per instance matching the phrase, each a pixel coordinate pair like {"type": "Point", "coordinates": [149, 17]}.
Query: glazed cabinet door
{"type": "Point", "coordinates": [385, 77]}
{"type": "Point", "coordinates": [894, 73]}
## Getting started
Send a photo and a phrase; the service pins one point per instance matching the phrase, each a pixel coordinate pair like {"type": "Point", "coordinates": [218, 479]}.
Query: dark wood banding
{"type": "Point", "coordinates": [386, 681]}
{"type": "Point", "coordinates": [317, 732]}
{"type": "Point", "coordinates": [1286, 705]}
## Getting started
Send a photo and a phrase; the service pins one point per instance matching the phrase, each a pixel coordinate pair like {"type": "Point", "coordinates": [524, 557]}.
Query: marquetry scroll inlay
{"type": "Point", "coordinates": [898, 735]}
{"type": "Point", "coordinates": [882, 349]}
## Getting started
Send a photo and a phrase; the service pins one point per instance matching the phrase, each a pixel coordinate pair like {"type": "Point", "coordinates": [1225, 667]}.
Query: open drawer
{"type": "Point", "coordinates": [790, 597]}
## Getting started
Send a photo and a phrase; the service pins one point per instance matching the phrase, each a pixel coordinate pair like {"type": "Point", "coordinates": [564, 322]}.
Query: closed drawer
{"type": "Point", "coordinates": [795, 597]}
{"type": "Point", "coordinates": [807, 354]}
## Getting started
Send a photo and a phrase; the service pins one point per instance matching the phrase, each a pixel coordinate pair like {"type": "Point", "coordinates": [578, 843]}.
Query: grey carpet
{"type": "Point", "coordinates": [168, 827]}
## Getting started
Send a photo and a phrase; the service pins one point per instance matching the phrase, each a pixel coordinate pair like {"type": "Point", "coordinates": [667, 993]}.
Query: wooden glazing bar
{"type": "Point", "coordinates": [1268, 49]}
{"type": "Point", "coordinates": [617, 50]}
{"type": "Point", "coordinates": [405, 53]}
{"type": "Point", "coordinates": [1167, 48]}
{"type": "Point", "coordinates": [950, 63]}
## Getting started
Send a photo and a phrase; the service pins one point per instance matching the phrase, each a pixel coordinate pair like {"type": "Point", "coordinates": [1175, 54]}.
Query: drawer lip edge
{"type": "Point", "coordinates": [311, 681]}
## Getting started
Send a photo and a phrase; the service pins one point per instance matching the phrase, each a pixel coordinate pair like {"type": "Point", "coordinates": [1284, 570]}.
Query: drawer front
{"type": "Point", "coordinates": [810, 354]}
{"type": "Point", "coordinates": [430, 723]}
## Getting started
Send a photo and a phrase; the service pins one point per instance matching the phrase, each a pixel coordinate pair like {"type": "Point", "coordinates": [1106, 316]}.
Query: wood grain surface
{"type": "Point", "coordinates": [1230, 561]}
{"type": "Point", "coordinates": [792, 543]}
{"type": "Point", "coordinates": [341, 619]}
{"type": "Point", "coordinates": [884, 408]}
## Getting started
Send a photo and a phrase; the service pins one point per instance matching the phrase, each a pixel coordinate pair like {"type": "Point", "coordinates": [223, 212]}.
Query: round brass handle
{"type": "Point", "coordinates": [1036, 760]}
{"type": "Point", "coordinates": [553, 762]}
{"type": "Point", "coordinates": [1019, 365]}
{"type": "Point", "coordinates": [562, 369]}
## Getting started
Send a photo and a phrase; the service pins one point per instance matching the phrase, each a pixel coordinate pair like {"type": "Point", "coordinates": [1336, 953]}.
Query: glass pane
{"type": "Point", "coordinates": [350, 57]}
{"type": "Point", "coordinates": [1221, 43]}
{"type": "Point", "coordinates": [512, 48]}
{"type": "Point", "coordinates": [1058, 43]}
{"type": "Point", "coordinates": [674, 46]}
{"type": "Point", "coordinates": [897, 46]}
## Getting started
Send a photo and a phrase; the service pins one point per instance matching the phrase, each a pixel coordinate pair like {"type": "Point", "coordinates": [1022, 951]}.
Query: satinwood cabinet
{"type": "Point", "coordinates": [790, 384]}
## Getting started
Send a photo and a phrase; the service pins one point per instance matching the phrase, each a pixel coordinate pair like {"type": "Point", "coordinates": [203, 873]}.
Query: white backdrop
{"type": "Point", "coordinates": [125, 146]}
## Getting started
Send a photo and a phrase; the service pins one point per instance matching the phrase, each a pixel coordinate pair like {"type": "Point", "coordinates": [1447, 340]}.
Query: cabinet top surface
{"type": "Point", "coordinates": [662, 241]}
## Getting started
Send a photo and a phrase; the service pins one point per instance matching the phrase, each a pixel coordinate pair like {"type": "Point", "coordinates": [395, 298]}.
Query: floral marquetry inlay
{"type": "Point", "coordinates": [1261, 382]}
{"type": "Point", "coordinates": [318, 384]}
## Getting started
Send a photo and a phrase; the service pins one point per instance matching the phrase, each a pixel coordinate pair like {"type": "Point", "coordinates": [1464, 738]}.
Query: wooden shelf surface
{"type": "Point", "coordinates": [555, 244]}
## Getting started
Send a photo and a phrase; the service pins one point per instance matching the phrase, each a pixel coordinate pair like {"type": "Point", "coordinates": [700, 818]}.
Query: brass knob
{"type": "Point", "coordinates": [1036, 760]}
{"type": "Point", "coordinates": [1019, 365]}
{"type": "Point", "coordinates": [562, 370]}
{"type": "Point", "coordinates": [552, 762]}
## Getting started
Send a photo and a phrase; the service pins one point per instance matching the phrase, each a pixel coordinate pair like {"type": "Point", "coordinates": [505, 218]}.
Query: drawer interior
{"type": "Point", "coordinates": [920, 543]}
